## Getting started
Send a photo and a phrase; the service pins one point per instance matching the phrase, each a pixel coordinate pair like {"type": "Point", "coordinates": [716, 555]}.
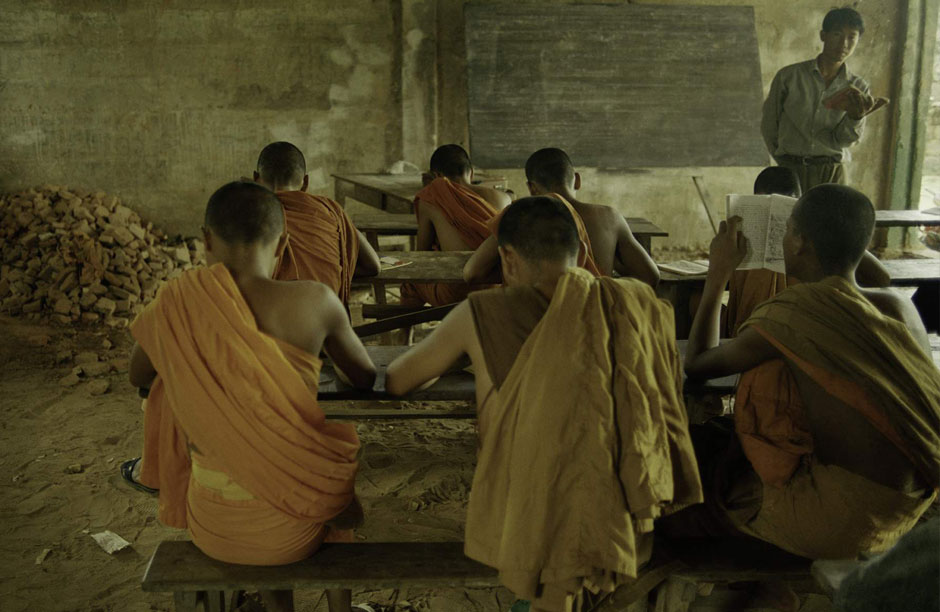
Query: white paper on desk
{"type": "Point", "coordinates": [390, 263]}
{"type": "Point", "coordinates": [110, 542]}
{"type": "Point", "coordinates": [763, 223]}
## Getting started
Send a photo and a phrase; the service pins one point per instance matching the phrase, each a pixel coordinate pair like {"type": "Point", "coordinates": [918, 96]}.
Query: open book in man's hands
{"type": "Point", "coordinates": [763, 223]}
{"type": "Point", "coordinates": [842, 100]}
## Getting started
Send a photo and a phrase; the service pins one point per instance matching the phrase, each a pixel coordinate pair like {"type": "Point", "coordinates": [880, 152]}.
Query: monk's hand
{"type": "Point", "coordinates": [350, 518]}
{"type": "Point", "coordinates": [727, 249]}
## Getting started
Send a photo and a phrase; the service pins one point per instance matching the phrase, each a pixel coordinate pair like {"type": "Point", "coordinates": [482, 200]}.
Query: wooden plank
{"type": "Point", "coordinates": [905, 218]}
{"type": "Point", "coordinates": [672, 86]}
{"type": "Point", "coordinates": [181, 567]}
{"type": "Point", "coordinates": [389, 224]}
{"type": "Point", "coordinates": [910, 272]}
{"type": "Point", "coordinates": [395, 193]}
{"type": "Point", "coordinates": [402, 321]}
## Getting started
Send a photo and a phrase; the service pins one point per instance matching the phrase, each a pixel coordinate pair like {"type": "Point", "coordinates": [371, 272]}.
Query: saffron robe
{"type": "Point", "coordinates": [868, 361]}
{"type": "Point", "coordinates": [322, 242]}
{"type": "Point", "coordinates": [469, 214]}
{"type": "Point", "coordinates": [244, 404]}
{"type": "Point", "coordinates": [587, 440]}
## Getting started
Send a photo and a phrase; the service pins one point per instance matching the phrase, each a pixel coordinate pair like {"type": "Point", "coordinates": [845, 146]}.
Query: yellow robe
{"type": "Point", "coordinates": [585, 446]}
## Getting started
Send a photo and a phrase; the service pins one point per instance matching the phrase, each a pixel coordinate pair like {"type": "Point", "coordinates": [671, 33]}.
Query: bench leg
{"type": "Point", "coordinates": [674, 595]}
{"type": "Point", "coordinates": [339, 600]}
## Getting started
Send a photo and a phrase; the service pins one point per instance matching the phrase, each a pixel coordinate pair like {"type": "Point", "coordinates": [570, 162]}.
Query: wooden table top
{"type": "Point", "coordinates": [904, 218]}
{"type": "Point", "coordinates": [447, 267]}
{"type": "Point", "coordinates": [456, 385]}
{"type": "Point", "coordinates": [404, 187]}
{"type": "Point", "coordinates": [398, 224]}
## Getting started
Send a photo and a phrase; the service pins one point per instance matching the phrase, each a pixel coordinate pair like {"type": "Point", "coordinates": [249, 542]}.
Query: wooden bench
{"type": "Point", "coordinates": [195, 579]}
{"type": "Point", "coordinates": [673, 578]}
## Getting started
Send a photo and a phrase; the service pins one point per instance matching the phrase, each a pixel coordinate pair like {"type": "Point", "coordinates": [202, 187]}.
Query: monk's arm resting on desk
{"type": "Point", "coordinates": [631, 258]}
{"type": "Point", "coordinates": [141, 371]}
{"type": "Point", "coordinates": [705, 357]}
{"type": "Point", "coordinates": [367, 262]}
{"type": "Point", "coordinates": [434, 355]}
{"type": "Point", "coordinates": [344, 347]}
{"type": "Point", "coordinates": [483, 265]}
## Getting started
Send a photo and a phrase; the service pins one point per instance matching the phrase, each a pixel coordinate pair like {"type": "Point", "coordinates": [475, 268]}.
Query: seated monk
{"type": "Point", "coordinates": [748, 288]}
{"type": "Point", "coordinates": [323, 244]}
{"type": "Point", "coordinates": [240, 450]}
{"type": "Point", "coordinates": [607, 244]}
{"type": "Point", "coordinates": [583, 433]}
{"type": "Point", "coordinates": [836, 442]}
{"type": "Point", "coordinates": [452, 215]}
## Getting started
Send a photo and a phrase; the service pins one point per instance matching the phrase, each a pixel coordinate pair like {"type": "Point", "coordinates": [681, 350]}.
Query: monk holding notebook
{"type": "Point", "coordinates": [583, 432]}
{"type": "Point", "coordinates": [242, 454]}
{"type": "Point", "coordinates": [453, 215]}
{"type": "Point", "coordinates": [322, 244]}
{"type": "Point", "coordinates": [607, 244]}
{"type": "Point", "coordinates": [837, 417]}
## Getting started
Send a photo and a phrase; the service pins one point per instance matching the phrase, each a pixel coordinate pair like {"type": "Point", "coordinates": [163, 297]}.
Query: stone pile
{"type": "Point", "coordinates": [80, 256]}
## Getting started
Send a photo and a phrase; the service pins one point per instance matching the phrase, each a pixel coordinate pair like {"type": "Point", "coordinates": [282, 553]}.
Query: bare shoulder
{"type": "Point", "coordinates": [893, 304]}
{"type": "Point", "coordinates": [499, 199]}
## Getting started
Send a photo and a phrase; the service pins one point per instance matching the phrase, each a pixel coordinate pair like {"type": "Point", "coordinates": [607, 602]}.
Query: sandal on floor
{"type": "Point", "coordinates": [127, 473]}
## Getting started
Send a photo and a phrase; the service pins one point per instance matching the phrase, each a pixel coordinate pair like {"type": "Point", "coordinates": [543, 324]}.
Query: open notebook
{"type": "Point", "coordinates": [764, 222]}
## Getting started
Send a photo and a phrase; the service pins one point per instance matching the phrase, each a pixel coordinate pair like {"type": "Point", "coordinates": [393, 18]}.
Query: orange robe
{"type": "Point", "coordinates": [585, 254]}
{"type": "Point", "coordinates": [267, 470]}
{"type": "Point", "coordinates": [469, 214]}
{"type": "Point", "coordinates": [322, 244]}
{"type": "Point", "coordinates": [868, 361]}
{"type": "Point", "coordinates": [746, 291]}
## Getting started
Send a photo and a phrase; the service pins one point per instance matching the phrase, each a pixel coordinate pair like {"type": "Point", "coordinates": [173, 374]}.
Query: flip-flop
{"type": "Point", "coordinates": [127, 473]}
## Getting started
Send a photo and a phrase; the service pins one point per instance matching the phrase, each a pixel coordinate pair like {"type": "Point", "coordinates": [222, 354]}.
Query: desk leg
{"type": "Point", "coordinates": [646, 242]}
{"type": "Point", "coordinates": [680, 296]}
{"type": "Point", "coordinates": [378, 289]}
{"type": "Point", "coordinates": [373, 238]}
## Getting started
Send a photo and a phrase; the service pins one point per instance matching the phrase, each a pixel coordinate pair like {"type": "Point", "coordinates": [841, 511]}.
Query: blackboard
{"type": "Point", "coordinates": [615, 85]}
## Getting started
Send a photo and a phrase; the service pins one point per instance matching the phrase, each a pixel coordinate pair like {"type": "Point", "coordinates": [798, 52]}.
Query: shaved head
{"type": "Point", "coordinates": [838, 221]}
{"type": "Point", "coordinates": [245, 213]}
{"type": "Point", "coordinates": [550, 168]}
{"type": "Point", "coordinates": [539, 228]}
{"type": "Point", "coordinates": [281, 165]}
{"type": "Point", "coordinates": [777, 179]}
{"type": "Point", "coordinates": [450, 161]}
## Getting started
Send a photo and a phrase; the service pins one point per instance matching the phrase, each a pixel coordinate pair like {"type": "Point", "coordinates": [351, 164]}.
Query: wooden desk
{"type": "Point", "coordinates": [394, 193]}
{"type": "Point", "coordinates": [457, 385]}
{"type": "Point", "coordinates": [904, 218]}
{"type": "Point", "coordinates": [378, 224]}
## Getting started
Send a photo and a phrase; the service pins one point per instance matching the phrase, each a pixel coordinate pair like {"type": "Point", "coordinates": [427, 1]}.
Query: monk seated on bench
{"type": "Point", "coordinates": [607, 244]}
{"type": "Point", "coordinates": [583, 433]}
{"type": "Point", "coordinates": [242, 452]}
{"type": "Point", "coordinates": [323, 244]}
{"type": "Point", "coordinates": [835, 449]}
{"type": "Point", "coordinates": [749, 288]}
{"type": "Point", "coordinates": [452, 215]}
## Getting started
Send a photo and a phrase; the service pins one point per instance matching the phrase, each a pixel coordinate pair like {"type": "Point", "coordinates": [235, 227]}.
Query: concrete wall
{"type": "Point", "coordinates": [161, 102]}
{"type": "Point", "coordinates": [930, 190]}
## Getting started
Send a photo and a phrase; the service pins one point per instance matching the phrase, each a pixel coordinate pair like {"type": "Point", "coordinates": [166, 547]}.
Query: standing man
{"type": "Point", "coordinates": [800, 131]}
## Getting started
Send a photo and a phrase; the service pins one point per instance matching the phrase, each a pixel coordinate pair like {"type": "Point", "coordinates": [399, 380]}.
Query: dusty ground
{"type": "Point", "coordinates": [414, 483]}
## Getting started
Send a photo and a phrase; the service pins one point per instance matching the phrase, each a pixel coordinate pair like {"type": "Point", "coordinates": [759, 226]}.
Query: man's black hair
{"type": "Point", "coordinates": [281, 164]}
{"type": "Point", "coordinates": [539, 228]}
{"type": "Point", "coordinates": [450, 160]}
{"type": "Point", "coordinates": [244, 212]}
{"type": "Point", "coordinates": [844, 17]}
{"type": "Point", "coordinates": [550, 168]}
{"type": "Point", "coordinates": [777, 179]}
{"type": "Point", "coordinates": [838, 221]}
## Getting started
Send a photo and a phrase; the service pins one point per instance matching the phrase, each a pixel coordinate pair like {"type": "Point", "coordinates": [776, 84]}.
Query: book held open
{"type": "Point", "coordinates": [763, 223]}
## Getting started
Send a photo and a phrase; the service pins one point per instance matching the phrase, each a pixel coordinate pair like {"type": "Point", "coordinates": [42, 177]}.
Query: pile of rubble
{"type": "Point", "coordinates": [77, 256]}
